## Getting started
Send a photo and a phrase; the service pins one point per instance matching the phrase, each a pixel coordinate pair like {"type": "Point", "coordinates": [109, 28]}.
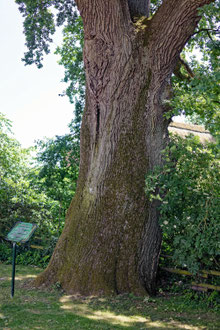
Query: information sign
{"type": "Point", "coordinates": [21, 232]}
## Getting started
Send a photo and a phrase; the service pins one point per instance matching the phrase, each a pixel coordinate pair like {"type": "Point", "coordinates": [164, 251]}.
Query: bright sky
{"type": "Point", "coordinates": [29, 96]}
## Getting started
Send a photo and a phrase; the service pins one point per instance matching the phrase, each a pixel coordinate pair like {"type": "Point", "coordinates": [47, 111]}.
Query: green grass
{"type": "Point", "coordinates": [53, 309]}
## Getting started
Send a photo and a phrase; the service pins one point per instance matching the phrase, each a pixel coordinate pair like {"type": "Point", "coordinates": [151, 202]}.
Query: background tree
{"type": "Point", "coordinates": [19, 200]}
{"type": "Point", "coordinates": [111, 240]}
{"type": "Point", "coordinates": [24, 197]}
{"type": "Point", "coordinates": [12, 169]}
{"type": "Point", "coordinates": [58, 162]}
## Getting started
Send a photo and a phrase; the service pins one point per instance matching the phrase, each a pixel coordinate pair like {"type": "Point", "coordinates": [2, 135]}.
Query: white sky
{"type": "Point", "coordinates": [29, 96]}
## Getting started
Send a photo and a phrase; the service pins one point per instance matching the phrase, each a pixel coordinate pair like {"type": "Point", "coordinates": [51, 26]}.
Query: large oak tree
{"type": "Point", "coordinates": [111, 239]}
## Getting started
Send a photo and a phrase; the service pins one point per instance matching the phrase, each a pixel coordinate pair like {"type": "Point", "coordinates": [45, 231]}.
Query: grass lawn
{"type": "Point", "coordinates": [38, 309]}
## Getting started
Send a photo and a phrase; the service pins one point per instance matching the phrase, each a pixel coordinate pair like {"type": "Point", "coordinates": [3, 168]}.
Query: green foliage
{"type": "Point", "coordinates": [12, 172]}
{"type": "Point", "coordinates": [5, 252]}
{"type": "Point", "coordinates": [39, 25]}
{"type": "Point", "coordinates": [25, 255]}
{"type": "Point", "coordinates": [71, 58]}
{"type": "Point", "coordinates": [58, 161]}
{"type": "Point", "coordinates": [71, 55]}
{"type": "Point", "coordinates": [189, 192]}
{"type": "Point", "coordinates": [19, 198]}
{"type": "Point", "coordinates": [202, 299]}
{"type": "Point", "coordinates": [198, 97]}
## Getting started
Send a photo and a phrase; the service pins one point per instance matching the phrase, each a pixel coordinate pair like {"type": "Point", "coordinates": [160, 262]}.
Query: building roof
{"type": "Point", "coordinates": [183, 130]}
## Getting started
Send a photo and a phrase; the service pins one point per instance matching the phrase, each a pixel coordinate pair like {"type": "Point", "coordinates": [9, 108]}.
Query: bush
{"type": "Point", "coordinates": [25, 255]}
{"type": "Point", "coordinates": [189, 191]}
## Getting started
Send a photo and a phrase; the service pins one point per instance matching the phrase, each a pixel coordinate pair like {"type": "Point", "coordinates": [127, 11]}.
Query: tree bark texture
{"type": "Point", "coordinates": [111, 240]}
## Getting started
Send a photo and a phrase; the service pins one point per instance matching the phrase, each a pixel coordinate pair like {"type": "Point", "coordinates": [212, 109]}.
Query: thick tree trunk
{"type": "Point", "coordinates": [111, 240]}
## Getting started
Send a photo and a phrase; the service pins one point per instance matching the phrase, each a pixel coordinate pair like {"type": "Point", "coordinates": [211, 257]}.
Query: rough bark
{"type": "Point", "coordinates": [111, 240]}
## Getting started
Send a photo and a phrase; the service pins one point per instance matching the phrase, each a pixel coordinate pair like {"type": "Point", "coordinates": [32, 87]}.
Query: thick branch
{"type": "Point", "coordinates": [172, 26]}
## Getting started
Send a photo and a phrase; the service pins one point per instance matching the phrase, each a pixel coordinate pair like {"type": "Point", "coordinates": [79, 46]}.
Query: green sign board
{"type": "Point", "coordinates": [21, 232]}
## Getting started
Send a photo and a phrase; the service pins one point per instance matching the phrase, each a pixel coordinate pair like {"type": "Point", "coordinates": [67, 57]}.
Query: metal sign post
{"type": "Point", "coordinates": [20, 233]}
{"type": "Point", "coordinates": [13, 271]}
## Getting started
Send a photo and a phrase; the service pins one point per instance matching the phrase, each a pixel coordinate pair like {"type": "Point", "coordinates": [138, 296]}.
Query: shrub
{"type": "Point", "coordinates": [189, 191]}
{"type": "Point", "coordinates": [26, 255]}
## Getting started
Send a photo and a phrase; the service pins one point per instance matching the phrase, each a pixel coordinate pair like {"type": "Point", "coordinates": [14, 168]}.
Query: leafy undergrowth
{"type": "Point", "coordinates": [37, 309]}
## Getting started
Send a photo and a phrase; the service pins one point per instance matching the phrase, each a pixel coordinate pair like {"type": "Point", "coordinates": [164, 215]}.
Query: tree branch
{"type": "Point", "coordinates": [174, 23]}
{"type": "Point", "coordinates": [187, 67]}
{"type": "Point", "coordinates": [179, 74]}
{"type": "Point", "coordinates": [208, 32]}
{"type": "Point", "coordinates": [205, 30]}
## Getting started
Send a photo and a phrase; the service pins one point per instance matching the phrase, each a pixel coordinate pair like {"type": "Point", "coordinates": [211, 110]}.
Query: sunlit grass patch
{"type": "Point", "coordinates": [18, 278]}
{"type": "Point", "coordinates": [110, 317]}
